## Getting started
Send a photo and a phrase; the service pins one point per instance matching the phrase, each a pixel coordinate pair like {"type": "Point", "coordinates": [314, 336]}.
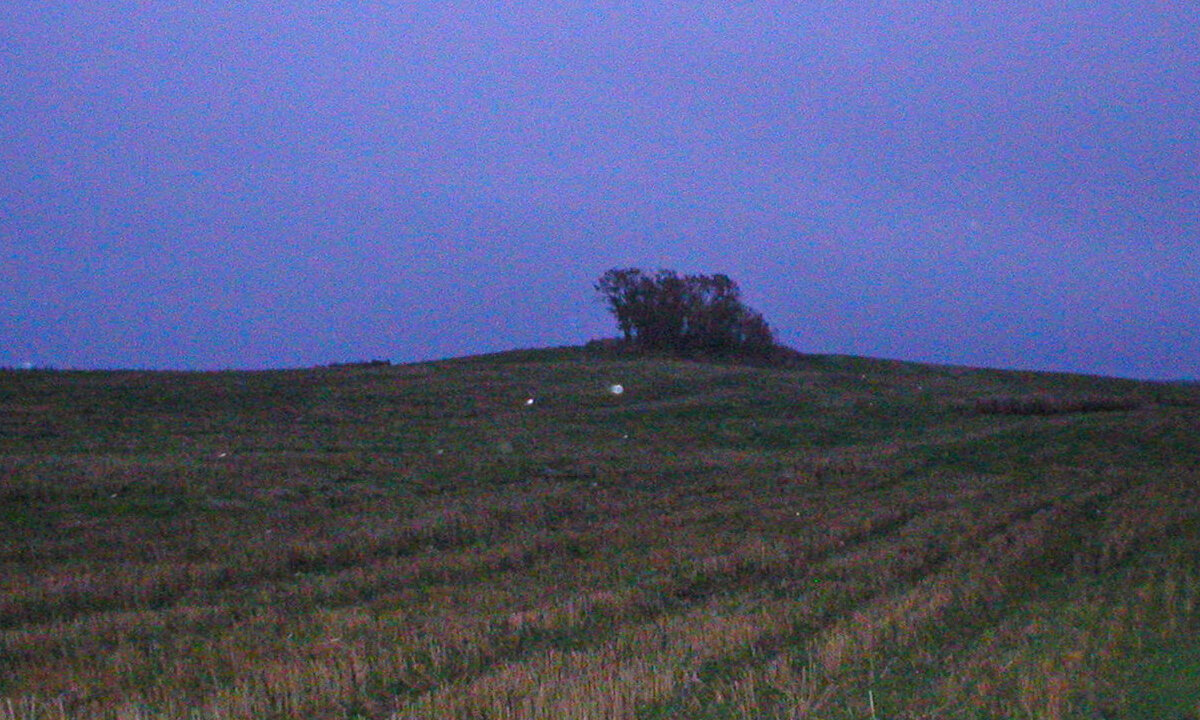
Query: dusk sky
{"type": "Point", "coordinates": [254, 184]}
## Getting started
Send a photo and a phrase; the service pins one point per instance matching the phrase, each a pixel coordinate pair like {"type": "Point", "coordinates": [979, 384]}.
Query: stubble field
{"type": "Point", "coordinates": [843, 538]}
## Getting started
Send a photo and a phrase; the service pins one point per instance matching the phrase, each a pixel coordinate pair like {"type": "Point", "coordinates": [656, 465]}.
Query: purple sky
{"type": "Point", "coordinates": [251, 184]}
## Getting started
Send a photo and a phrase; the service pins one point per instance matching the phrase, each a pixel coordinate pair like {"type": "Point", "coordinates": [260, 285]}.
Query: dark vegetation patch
{"type": "Point", "coordinates": [1054, 405]}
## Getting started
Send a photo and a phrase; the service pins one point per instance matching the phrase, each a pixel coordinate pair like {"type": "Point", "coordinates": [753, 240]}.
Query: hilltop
{"type": "Point", "coordinates": [505, 536]}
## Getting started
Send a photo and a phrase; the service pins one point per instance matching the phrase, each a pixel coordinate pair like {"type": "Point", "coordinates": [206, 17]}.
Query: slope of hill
{"type": "Point", "coordinates": [507, 537]}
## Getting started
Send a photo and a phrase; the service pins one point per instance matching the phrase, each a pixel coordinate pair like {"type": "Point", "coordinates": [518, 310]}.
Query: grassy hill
{"type": "Point", "coordinates": [505, 537]}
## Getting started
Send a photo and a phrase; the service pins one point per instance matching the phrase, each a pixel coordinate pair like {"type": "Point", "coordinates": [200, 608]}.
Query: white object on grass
{"type": "Point", "coordinates": [616, 389]}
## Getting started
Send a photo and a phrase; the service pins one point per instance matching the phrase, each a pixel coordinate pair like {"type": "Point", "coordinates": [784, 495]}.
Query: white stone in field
{"type": "Point", "coordinates": [616, 389]}
{"type": "Point", "coordinates": [529, 401]}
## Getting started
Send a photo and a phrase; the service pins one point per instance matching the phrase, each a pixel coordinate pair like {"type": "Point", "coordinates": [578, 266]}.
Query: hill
{"type": "Point", "coordinates": [506, 536]}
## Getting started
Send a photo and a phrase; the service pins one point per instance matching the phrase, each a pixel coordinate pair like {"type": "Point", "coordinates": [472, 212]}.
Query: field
{"type": "Point", "coordinates": [842, 538]}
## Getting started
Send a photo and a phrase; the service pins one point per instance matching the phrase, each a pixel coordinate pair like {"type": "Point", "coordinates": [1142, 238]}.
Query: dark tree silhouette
{"type": "Point", "coordinates": [687, 315]}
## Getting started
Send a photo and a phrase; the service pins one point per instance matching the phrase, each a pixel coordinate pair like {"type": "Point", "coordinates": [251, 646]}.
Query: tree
{"type": "Point", "coordinates": [686, 315]}
{"type": "Point", "coordinates": [623, 290]}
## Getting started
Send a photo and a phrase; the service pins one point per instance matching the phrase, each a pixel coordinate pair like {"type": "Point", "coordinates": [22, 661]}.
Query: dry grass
{"type": "Point", "coordinates": [827, 540]}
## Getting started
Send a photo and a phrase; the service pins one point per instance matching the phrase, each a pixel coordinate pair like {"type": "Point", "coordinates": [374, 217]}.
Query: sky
{"type": "Point", "coordinates": [251, 185]}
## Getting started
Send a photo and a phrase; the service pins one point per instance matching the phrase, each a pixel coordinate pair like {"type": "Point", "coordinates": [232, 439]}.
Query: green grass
{"type": "Point", "coordinates": [719, 541]}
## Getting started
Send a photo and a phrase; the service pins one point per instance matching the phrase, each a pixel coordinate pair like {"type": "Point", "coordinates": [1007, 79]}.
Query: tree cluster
{"type": "Point", "coordinates": [684, 315]}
